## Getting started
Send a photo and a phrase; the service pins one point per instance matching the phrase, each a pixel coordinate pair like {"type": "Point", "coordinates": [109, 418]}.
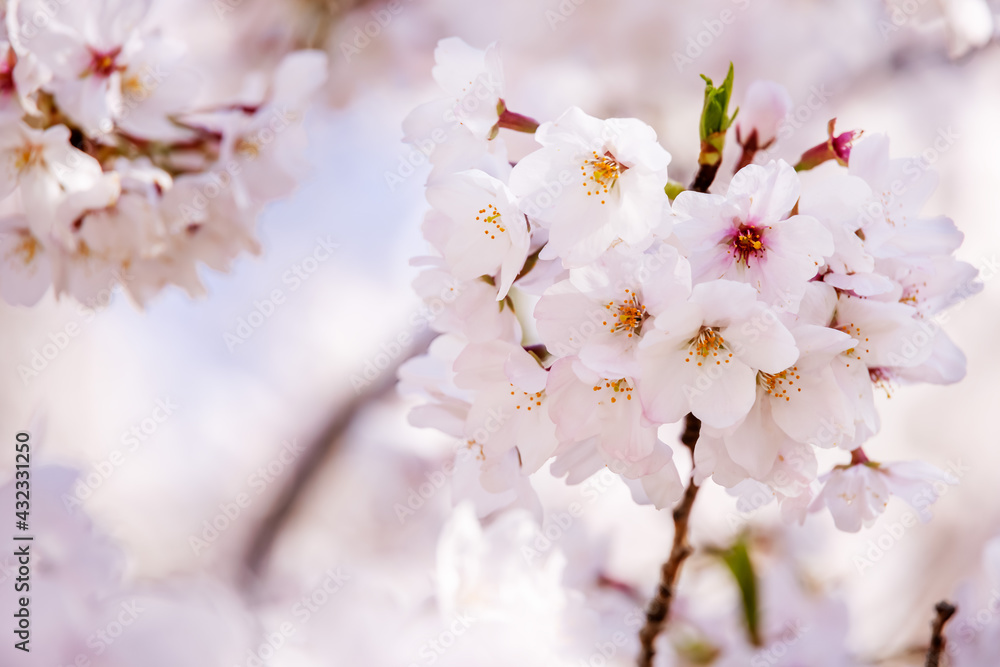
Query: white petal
{"type": "Point", "coordinates": [721, 395]}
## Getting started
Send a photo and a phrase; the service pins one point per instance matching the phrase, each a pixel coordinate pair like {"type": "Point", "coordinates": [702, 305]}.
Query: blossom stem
{"type": "Point", "coordinates": [703, 179]}
{"type": "Point", "coordinates": [859, 457]}
{"type": "Point", "coordinates": [945, 610]}
{"type": "Point", "coordinates": [659, 607]}
{"type": "Point", "coordinates": [746, 157]}
{"type": "Point", "coordinates": [750, 149]}
{"type": "Point", "coordinates": [518, 122]}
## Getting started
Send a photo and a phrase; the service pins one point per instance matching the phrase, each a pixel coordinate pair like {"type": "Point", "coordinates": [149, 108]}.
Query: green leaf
{"type": "Point", "coordinates": [714, 113]}
{"type": "Point", "coordinates": [737, 559]}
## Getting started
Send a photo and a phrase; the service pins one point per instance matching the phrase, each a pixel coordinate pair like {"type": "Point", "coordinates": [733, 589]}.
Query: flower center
{"type": "Point", "coordinates": [27, 155]}
{"type": "Point", "coordinates": [706, 346]}
{"type": "Point", "coordinates": [490, 216]}
{"type": "Point", "coordinates": [629, 316]}
{"type": "Point", "coordinates": [777, 385]}
{"type": "Point", "coordinates": [747, 242]}
{"type": "Point", "coordinates": [473, 444]}
{"type": "Point", "coordinates": [526, 399]}
{"type": "Point", "coordinates": [248, 148]}
{"type": "Point", "coordinates": [619, 386]}
{"type": "Point", "coordinates": [881, 378]}
{"type": "Point", "coordinates": [604, 172]}
{"type": "Point", "coordinates": [103, 63]}
{"type": "Point", "coordinates": [133, 86]}
{"type": "Point", "coordinates": [911, 294]}
{"type": "Point", "coordinates": [854, 331]}
{"type": "Point", "coordinates": [26, 249]}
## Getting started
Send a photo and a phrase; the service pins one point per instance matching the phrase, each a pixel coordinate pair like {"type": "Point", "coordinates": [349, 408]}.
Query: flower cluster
{"type": "Point", "coordinates": [100, 616]}
{"type": "Point", "coordinates": [583, 308]}
{"type": "Point", "coordinates": [117, 167]}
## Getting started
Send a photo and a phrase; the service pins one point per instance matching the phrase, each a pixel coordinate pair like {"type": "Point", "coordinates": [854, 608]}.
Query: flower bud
{"type": "Point", "coordinates": [836, 147]}
{"type": "Point", "coordinates": [763, 109]}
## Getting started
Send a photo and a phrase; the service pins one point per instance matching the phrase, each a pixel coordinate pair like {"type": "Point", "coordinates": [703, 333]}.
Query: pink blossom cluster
{"type": "Point", "coordinates": [583, 308]}
{"type": "Point", "coordinates": [113, 170]}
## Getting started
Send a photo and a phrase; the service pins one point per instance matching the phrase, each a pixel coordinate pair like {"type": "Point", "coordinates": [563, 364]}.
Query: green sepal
{"type": "Point", "coordinates": [673, 188]}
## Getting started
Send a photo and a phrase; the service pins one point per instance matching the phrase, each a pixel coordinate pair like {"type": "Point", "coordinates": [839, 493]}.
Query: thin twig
{"type": "Point", "coordinates": [311, 462]}
{"type": "Point", "coordinates": [945, 610]}
{"type": "Point", "coordinates": [659, 606]}
{"type": "Point", "coordinates": [703, 179]}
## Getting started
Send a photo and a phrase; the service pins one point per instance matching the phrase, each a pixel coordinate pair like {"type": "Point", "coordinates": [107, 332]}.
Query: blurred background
{"type": "Point", "coordinates": [171, 424]}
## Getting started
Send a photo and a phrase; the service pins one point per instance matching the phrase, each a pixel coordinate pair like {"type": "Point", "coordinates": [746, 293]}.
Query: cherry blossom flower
{"type": "Point", "coordinates": [268, 143]}
{"type": "Point", "coordinates": [835, 200]}
{"type": "Point", "coordinates": [510, 410]}
{"type": "Point", "coordinates": [594, 183]}
{"type": "Point", "coordinates": [458, 131]}
{"type": "Point", "coordinates": [486, 233]}
{"type": "Point", "coordinates": [762, 112]}
{"type": "Point", "coordinates": [111, 173]}
{"type": "Point", "coordinates": [857, 494]}
{"type": "Point", "coordinates": [45, 167]}
{"type": "Point", "coordinates": [801, 404]}
{"type": "Point", "coordinates": [600, 312]}
{"type": "Point", "coordinates": [704, 356]}
{"type": "Point", "coordinates": [468, 308]}
{"type": "Point", "coordinates": [25, 267]}
{"type": "Point", "coordinates": [473, 81]}
{"type": "Point", "coordinates": [750, 235]}
{"type": "Point", "coordinates": [80, 579]}
{"type": "Point", "coordinates": [432, 375]}
{"type": "Point", "coordinates": [891, 220]}
{"type": "Point", "coordinates": [591, 411]}
{"type": "Point", "coordinates": [88, 46]}
{"type": "Point", "coordinates": [890, 338]}
{"type": "Point", "coordinates": [772, 313]}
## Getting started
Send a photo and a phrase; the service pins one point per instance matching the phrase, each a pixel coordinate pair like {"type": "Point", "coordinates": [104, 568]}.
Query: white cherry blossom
{"type": "Point", "coordinates": [857, 494]}
{"type": "Point", "coordinates": [510, 411]}
{"type": "Point", "coordinates": [586, 405]}
{"type": "Point", "coordinates": [750, 234]}
{"type": "Point", "coordinates": [593, 184]}
{"type": "Point", "coordinates": [762, 112]}
{"type": "Point", "coordinates": [801, 404]}
{"type": "Point", "coordinates": [486, 234]}
{"type": "Point", "coordinates": [600, 312]}
{"type": "Point", "coordinates": [704, 355]}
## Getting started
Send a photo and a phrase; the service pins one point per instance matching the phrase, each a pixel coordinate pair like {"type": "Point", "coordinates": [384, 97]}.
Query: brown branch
{"type": "Point", "coordinates": [703, 179]}
{"type": "Point", "coordinates": [659, 607]}
{"type": "Point", "coordinates": [750, 149]}
{"type": "Point", "coordinates": [311, 462]}
{"type": "Point", "coordinates": [945, 610]}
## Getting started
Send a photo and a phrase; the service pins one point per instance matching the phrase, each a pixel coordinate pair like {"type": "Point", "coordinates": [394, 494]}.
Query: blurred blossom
{"type": "Point", "coordinates": [115, 173]}
{"type": "Point", "coordinates": [83, 610]}
{"type": "Point", "coordinates": [572, 299]}
{"type": "Point", "coordinates": [762, 112]}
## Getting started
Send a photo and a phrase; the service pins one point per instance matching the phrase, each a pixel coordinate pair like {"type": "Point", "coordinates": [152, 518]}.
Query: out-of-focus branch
{"type": "Point", "coordinates": [659, 607]}
{"type": "Point", "coordinates": [317, 19]}
{"type": "Point", "coordinates": [311, 462]}
{"type": "Point", "coordinates": [945, 610]}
